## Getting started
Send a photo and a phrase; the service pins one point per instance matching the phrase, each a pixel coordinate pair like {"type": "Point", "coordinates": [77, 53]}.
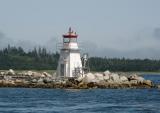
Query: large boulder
{"type": "Point", "coordinates": [106, 77]}
{"type": "Point", "coordinates": [11, 72]}
{"type": "Point", "coordinates": [115, 77]}
{"type": "Point", "coordinates": [29, 73]}
{"type": "Point", "coordinates": [46, 74]}
{"type": "Point", "coordinates": [36, 74]}
{"type": "Point", "coordinates": [89, 77]}
{"type": "Point", "coordinates": [158, 86]}
{"type": "Point", "coordinates": [80, 78]}
{"type": "Point", "coordinates": [99, 76]}
{"type": "Point", "coordinates": [135, 82]}
{"type": "Point", "coordinates": [136, 77]}
{"type": "Point", "coordinates": [123, 78]}
{"type": "Point", "coordinates": [140, 79]}
{"type": "Point", "coordinates": [34, 80]}
{"type": "Point", "coordinates": [102, 84]}
{"type": "Point", "coordinates": [148, 83]}
{"type": "Point", "coordinates": [8, 82]}
{"type": "Point", "coordinates": [18, 81]}
{"type": "Point", "coordinates": [40, 81]}
{"type": "Point", "coordinates": [47, 80]}
{"type": "Point", "coordinates": [106, 73]}
{"type": "Point", "coordinates": [82, 85]}
{"type": "Point", "coordinates": [2, 73]}
{"type": "Point", "coordinates": [73, 81]}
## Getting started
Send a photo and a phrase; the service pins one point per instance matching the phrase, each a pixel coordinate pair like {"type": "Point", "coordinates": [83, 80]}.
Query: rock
{"type": "Point", "coordinates": [80, 78]}
{"type": "Point", "coordinates": [11, 72]}
{"type": "Point", "coordinates": [29, 73]}
{"type": "Point", "coordinates": [82, 85]}
{"type": "Point", "coordinates": [73, 81]}
{"type": "Point", "coordinates": [1, 81]}
{"type": "Point", "coordinates": [123, 78]}
{"type": "Point", "coordinates": [46, 74]}
{"type": "Point", "coordinates": [99, 76]}
{"type": "Point", "coordinates": [106, 77]}
{"type": "Point", "coordinates": [40, 81]}
{"type": "Point", "coordinates": [133, 76]}
{"type": "Point", "coordinates": [68, 84]}
{"type": "Point", "coordinates": [8, 82]}
{"type": "Point", "coordinates": [2, 73]}
{"type": "Point", "coordinates": [134, 82]}
{"type": "Point", "coordinates": [148, 83]}
{"type": "Point", "coordinates": [17, 81]}
{"type": "Point", "coordinates": [126, 84]}
{"type": "Point", "coordinates": [89, 77]}
{"type": "Point", "coordinates": [106, 73]}
{"type": "Point", "coordinates": [47, 80]}
{"type": "Point", "coordinates": [158, 86]}
{"type": "Point", "coordinates": [26, 82]}
{"type": "Point", "coordinates": [36, 74]}
{"type": "Point", "coordinates": [34, 81]}
{"type": "Point", "coordinates": [115, 77]}
{"type": "Point", "coordinates": [7, 77]}
{"type": "Point", "coordinates": [140, 79]}
{"type": "Point", "coordinates": [102, 84]}
{"type": "Point", "coordinates": [136, 77]}
{"type": "Point", "coordinates": [91, 85]}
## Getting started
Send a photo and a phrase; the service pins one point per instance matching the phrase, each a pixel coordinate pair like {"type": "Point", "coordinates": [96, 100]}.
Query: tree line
{"type": "Point", "coordinates": [40, 59]}
{"type": "Point", "coordinates": [17, 58]}
{"type": "Point", "coordinates": [122, 64]}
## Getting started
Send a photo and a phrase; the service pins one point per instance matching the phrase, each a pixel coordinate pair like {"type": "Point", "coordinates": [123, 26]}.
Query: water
{"type": "Point", "coordinates": [25, 100]}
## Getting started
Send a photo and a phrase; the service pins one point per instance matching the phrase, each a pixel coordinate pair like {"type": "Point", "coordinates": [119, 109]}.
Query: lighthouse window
{"type": "Point", "coordinates": [66, 40]}
{"type": "Point", "coordinates": [73, 39]}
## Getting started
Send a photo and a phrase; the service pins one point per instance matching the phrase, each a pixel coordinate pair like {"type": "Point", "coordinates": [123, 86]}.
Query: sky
{"type": "Point", "coordinates": [106, 28]}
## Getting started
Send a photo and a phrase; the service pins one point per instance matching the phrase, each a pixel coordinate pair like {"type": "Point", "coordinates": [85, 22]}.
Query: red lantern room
{"type": "Point", "coordinates": [71, 36]}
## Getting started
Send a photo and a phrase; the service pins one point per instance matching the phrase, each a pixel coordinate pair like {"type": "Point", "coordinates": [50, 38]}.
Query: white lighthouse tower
{"type": "Point", "coordinates": [70, 64]}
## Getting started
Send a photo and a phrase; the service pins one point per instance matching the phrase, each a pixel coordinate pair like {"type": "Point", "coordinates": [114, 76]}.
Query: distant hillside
{"type": "Point", "coordinates": [40, 59]}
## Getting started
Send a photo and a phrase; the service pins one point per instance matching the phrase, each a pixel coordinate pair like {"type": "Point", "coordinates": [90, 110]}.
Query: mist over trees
{"type": "Point", "coordinates": [41, 59]}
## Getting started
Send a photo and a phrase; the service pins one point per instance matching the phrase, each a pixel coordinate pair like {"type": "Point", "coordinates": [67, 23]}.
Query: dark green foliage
{"type": "Point", "coordinates": [17, 58]}
{"type": "Point", "coordinates": [115, 64]}
{"type": "Point", "coordinates": [40, 59]}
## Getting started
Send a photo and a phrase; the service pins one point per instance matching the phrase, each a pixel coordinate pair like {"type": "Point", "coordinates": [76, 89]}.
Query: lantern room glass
{"type": "Point", "coordinates": [65, 40]}
{"type": "Point", "coordinates": [68, 40]}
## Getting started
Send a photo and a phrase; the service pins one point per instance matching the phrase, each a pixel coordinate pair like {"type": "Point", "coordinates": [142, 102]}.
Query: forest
{"type": "Point", "coordinates": [41, 59]}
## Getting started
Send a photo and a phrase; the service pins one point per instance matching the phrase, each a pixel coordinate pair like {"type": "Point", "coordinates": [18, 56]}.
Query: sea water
{"type": "Point", "coordinates": [30, 100]}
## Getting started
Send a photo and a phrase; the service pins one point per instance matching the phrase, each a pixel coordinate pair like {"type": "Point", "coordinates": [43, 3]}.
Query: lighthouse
{"type": "Point", "coordinates": [70, 64]}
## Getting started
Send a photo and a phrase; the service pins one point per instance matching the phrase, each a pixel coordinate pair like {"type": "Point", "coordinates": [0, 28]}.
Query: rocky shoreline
{"type": "Point", "coordinates": [30, 79]}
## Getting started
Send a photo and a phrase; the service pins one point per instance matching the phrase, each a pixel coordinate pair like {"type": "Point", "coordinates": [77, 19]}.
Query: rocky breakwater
{"type": "Point", "coordinates": [32, 79]}
{"type": "Point", "coordinates": [109, 80]}
{"type": "Point", "coordinates": [27, 79]}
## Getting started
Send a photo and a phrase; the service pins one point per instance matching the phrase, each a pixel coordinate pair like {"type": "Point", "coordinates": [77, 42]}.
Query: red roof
{"type": "Point", "coordinates": [70, 34]}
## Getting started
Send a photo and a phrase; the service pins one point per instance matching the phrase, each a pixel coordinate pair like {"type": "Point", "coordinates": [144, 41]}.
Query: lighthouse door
{"type": "Point", "coordinates": [62, 70]}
